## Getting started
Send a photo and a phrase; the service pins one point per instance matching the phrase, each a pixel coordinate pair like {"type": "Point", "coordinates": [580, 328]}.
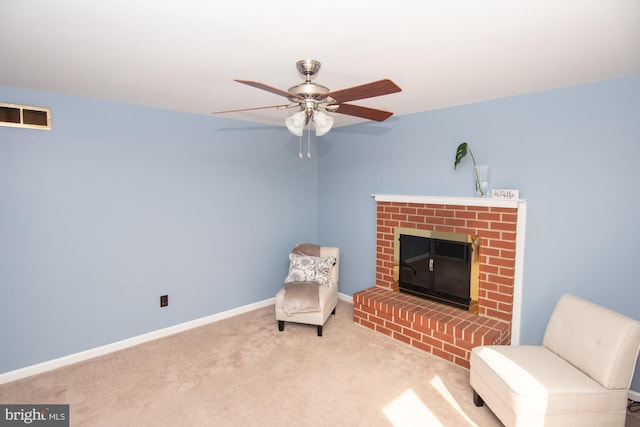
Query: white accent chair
{"type": "Point", "coordinates": [579, 376]}
{"type": "Point", "coordinates": [328, 298]}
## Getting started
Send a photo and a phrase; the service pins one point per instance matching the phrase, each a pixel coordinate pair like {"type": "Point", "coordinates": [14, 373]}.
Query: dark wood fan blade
{"type": "Point", "coordinates": [257, 108]}
{"type": "Point", "coordinates": [269, 88]}
{"type": "Point", "coordinates": [364, 112]}
{"type": "Point", "coordinates": [367, 90]}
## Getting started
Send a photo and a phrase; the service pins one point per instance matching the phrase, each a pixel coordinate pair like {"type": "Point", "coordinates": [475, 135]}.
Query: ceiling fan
{"type": "Point", "coordinates": [311, 98]}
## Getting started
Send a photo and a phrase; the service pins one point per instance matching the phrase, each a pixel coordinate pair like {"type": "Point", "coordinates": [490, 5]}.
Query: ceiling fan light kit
{"type": "Point", "coordinates": [322, 123]}
{"type": "Point", "coordinates": [311, 98]}
{"type": "Point", "coordinates": [295, 123]}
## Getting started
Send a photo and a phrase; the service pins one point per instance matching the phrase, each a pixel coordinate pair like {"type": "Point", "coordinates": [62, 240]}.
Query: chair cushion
{"type": "Point", "coordinates": [532, 381]}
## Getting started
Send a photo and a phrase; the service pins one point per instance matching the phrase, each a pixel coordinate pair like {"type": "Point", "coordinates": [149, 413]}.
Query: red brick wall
{"type": "Point", "coordinates": [495, 225]}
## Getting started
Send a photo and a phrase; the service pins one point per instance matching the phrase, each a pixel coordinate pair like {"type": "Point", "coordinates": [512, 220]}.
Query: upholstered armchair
{"type": "Point", "coordinates": [579, 376]}
{"type": "Point", "coordinates": [310, 292]}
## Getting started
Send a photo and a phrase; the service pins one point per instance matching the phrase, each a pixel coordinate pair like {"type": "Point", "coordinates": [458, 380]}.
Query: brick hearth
{"type": "Point", "coordinates": [442, 330]}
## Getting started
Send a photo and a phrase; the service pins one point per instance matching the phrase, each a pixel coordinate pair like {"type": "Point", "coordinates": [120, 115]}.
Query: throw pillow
{"type": "Point", "coordinates": [310, 269]}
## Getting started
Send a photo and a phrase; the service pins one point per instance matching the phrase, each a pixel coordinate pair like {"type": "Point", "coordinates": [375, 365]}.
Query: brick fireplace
{"type": "Point", "coordinates": [445, 331]}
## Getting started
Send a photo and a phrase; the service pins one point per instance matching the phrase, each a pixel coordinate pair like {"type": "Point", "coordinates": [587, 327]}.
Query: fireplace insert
{"type": "Point", "coordinates": [438, 266]}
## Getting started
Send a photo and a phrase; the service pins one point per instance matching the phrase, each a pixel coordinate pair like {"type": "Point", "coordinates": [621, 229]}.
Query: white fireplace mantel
{"type": "Point", "coordinates": [445, 200]}
{"type": "Point", "coordinates": [519, 204]}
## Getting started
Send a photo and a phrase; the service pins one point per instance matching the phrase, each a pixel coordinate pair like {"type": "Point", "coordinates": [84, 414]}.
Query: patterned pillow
{"type": "Point", "coordinates": [310, 269]}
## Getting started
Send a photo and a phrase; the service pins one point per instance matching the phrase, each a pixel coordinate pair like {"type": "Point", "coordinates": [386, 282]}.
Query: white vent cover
{"type": "Point", "coordinates": [23, 116]}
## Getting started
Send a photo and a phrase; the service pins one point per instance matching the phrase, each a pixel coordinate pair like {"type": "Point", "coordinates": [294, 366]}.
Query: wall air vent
{"type": "Point", "coordinates": [23, 116]}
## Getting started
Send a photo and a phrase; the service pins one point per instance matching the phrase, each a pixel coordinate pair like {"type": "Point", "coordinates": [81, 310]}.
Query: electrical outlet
{"type": "Point", "coordinates": [164, 300]}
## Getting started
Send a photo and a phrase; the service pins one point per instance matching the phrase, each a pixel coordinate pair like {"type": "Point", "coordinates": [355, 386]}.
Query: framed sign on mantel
{"type": "Point", "coordinates": [505, 194]}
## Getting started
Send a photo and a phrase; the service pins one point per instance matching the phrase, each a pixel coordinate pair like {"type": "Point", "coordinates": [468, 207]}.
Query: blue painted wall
{"type": "Point", "coordinates": [118, 205]}
{"type": "Point", "coordinates": [574, 153]}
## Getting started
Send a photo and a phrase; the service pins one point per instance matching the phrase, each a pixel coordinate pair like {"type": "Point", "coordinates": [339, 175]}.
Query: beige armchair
{"type": "Point", "coordinates": [310, 303]}
{"type": "Point", "coordinates": [579, 376]}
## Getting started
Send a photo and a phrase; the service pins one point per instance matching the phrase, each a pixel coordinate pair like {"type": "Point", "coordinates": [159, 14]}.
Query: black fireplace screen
{"type": "Point", "coordinates": [436, 269]}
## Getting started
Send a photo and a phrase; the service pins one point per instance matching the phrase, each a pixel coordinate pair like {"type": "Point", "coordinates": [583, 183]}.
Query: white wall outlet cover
{"type": "Point", "coordinates": [505, 194]}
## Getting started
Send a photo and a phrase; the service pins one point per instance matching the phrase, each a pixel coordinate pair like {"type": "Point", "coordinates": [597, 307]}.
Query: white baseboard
{"type": "Point", "coordinates": [49, 365]}
{"type": "Point", "coordinates": [345, 298]}
{"type": "Point", "coordinates": [129, 342]}
{"type": "Point", "coordinates": [634, 395]}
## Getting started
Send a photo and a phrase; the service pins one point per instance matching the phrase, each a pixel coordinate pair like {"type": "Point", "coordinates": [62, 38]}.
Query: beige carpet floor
{"type": "Point", "coordinates": [243, 372]}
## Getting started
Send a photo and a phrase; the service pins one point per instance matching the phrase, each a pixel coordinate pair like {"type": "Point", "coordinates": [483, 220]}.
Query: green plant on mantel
{"type": "Point", "coordinates": [462, 151]}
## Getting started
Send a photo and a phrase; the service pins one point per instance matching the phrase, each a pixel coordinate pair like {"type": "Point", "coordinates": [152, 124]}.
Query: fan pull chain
{"type": "Point", "coordinates": [309, 141]}
{"type": "Point", "coordinates": [300, 152]}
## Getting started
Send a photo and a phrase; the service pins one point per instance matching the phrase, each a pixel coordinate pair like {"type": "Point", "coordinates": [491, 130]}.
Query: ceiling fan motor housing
{"type": "Point", "coordinates": [307, 90]}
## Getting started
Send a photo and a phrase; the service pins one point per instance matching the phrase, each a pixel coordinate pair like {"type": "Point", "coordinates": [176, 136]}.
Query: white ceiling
{"type": "Point", "coordinates": [184, 54]}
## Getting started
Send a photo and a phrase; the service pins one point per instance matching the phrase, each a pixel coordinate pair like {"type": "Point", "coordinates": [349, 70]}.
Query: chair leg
{"type": "Point", "coordinates": [477, 400]}
{"type": "Point", "coordinates": [319, 330]}
{"type": "Point", "coordinates": [281, 325]}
